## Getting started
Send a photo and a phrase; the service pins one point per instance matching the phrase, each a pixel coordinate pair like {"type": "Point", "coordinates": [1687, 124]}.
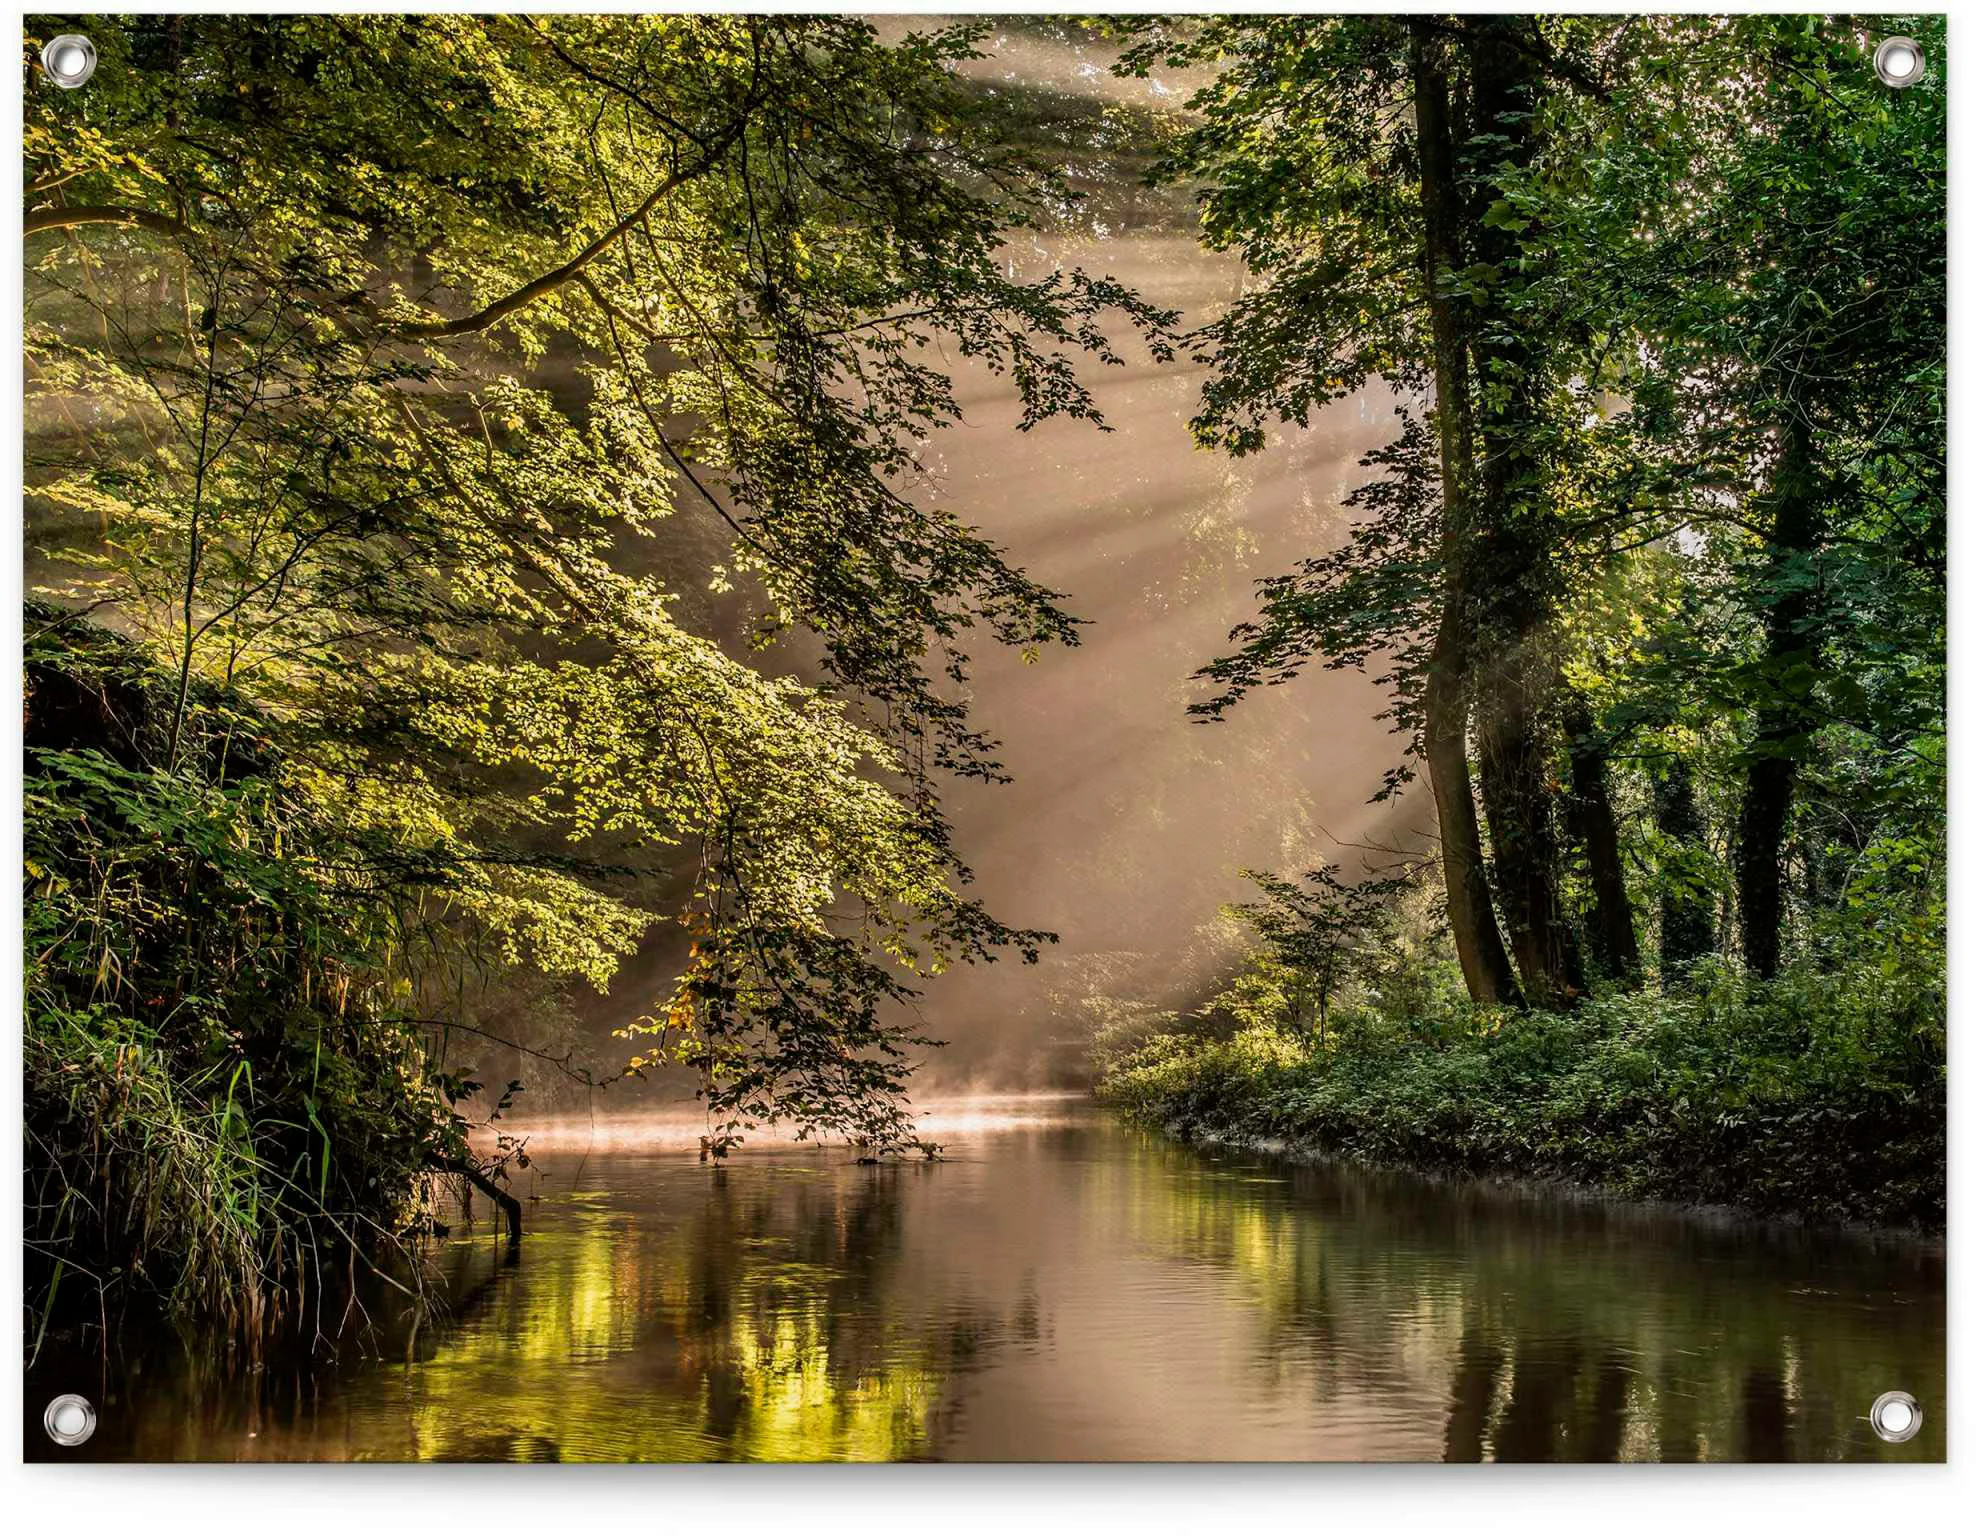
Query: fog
{"type": "Point", "coordinates": [1128, 822]}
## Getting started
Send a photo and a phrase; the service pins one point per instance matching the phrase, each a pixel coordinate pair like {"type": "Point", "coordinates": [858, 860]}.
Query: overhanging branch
{"type": "Point", "coordinates": [549, 282]}
{"type": "Point", "coordinates": [68, 218]}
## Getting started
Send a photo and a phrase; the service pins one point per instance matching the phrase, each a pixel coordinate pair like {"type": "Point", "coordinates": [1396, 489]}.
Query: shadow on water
{"type": "Point", "coordinates": [1067, 1289]}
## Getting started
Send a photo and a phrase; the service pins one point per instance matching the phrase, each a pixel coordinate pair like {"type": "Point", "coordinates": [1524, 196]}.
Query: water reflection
{"type": "Point", "coordinates": [1065, 1289]}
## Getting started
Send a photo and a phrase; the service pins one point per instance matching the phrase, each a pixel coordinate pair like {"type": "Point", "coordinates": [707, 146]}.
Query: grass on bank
{"type": "Point", "coordinates": [224, 1116]}
{"type": "Point", "coordinates": [1819, 1095]}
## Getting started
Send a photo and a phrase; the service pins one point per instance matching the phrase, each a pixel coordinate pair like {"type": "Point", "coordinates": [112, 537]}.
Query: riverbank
{"type": "Point", "coordinates": [1809, 1099]}
{"type": "Point", "coordinates": [227, 1114]}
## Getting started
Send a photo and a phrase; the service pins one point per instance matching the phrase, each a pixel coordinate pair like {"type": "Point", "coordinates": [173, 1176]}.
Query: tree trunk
{"type": "Point", "coordinates": [1784, 722]}
{"type": "Point", "coordinates": [1515, 576]}
{"type": "Point", "coordinates": [1523, 837]}
{"type": "Point", "coordinates": [1760, 863]}
{"type": "Point", "coordinates": [1479, 946]}
{"type": "Point", "coordinates": [1614, 944]}
{"type": "Point", "coordinates": [1478, 942]}
{"type": "Point", "coordinates": [1687, 909]}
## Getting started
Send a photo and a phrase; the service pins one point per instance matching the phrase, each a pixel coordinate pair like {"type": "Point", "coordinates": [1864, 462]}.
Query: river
{"type": "Point", "coordinates": [1061, 1287]}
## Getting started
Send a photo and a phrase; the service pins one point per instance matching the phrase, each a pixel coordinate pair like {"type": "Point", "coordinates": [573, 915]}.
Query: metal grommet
{"type": "Point", "coordinates": [1899, 62]}
{"type": "Point", "coordinates": [1895, 1417]}
{"type": "Point", "coordinates": [69, 1419]}
{"type": "Point", "coordinates": [69, 60]}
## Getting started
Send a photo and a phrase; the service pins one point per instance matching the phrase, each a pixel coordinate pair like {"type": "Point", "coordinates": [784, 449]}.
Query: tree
{"type": "Point", "coordinates": [1769, 261]}
{"type": "Point", "coordinates": [1832, 333]}
{"type": "Point", "coordinates": [1679, 318]}
{"type": "Point", "coordinates": [1687, 915]}
{"type": "Point", "coordinates": [404, 340]}
{"type": "Point", "coordinates": [1390, 246]}
{"type": "Point", "coordinates": [1316, 931]}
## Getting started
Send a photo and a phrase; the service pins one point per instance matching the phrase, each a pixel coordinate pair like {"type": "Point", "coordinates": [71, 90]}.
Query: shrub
{"type": "Point", "coordinates": [1820, 1094]}
{"type": "Point", "coordinates": [220, 1111]}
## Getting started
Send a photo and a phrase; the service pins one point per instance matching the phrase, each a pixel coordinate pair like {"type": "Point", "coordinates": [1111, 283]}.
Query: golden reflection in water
{"type": "Point", "coordinates": [729, 1338]}
{"type": "Point", "coordinates": [1066, 1289]}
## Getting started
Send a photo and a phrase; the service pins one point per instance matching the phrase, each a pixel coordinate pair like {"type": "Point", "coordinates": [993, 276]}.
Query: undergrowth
{"type": "Point", "coordinates": [224, 1116]}
{"type": "Point", "coordinates": [1819, 1095]}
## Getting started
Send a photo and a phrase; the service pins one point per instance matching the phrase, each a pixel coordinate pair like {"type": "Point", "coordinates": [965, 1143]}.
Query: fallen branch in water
{"type": "Point", "coordinates": [509, 1205]}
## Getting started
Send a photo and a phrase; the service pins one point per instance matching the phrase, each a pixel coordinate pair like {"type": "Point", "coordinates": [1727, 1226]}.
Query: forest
{"type": "Point", "coordinates": [485, 568]}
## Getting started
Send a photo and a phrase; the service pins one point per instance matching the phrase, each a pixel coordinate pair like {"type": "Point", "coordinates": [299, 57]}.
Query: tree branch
{"type": "Point", "coordinates": [549, 282]}
{"type": "Point", "coordinates": [67, 218]}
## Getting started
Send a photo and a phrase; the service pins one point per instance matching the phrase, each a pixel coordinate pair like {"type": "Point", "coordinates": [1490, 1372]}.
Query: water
{"type": "Point", "coordinates": [1067, 1289]}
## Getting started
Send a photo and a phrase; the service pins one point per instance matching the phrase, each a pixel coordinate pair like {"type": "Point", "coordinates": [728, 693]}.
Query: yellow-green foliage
{"type": "Point", "coordinates": [401, 342]}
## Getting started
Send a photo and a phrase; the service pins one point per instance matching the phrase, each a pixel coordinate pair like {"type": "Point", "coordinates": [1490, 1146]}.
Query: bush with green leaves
{"type": "Point", "coordinates": [1818, 1094]}
{"type": "Point", "coordinates": [226, 1104]}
